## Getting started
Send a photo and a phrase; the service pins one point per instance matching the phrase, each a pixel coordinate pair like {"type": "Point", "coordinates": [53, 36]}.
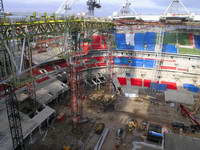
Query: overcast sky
{"type": "Point", "coordinates": [108, 6]}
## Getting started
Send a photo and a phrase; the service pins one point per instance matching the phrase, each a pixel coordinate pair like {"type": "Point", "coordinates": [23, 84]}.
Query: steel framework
{"type": "Point", "coordinates": [126, 10]}
{"type": "Point", "coordinates": [14, 118]}
{"type": "Point", "coordinates": [16, 38]}
{"type": "Point", "coordinates": [176, 7]}
{"type": "Point", "coordinates": [1, 7]}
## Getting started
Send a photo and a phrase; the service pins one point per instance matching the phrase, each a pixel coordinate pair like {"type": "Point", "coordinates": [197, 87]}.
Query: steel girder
{"type": "Point", "coordinates": [22, 30]}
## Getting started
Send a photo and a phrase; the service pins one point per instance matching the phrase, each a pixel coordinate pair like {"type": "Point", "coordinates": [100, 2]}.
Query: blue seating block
{"type": "Point", "coordinates": [149, 63]}
{"type": "Point", "coordinates": [191, 88]}
{"type": "Point", "coordinates": [197, 41]}
{"type": "Point", "coordinates": [168, 48]}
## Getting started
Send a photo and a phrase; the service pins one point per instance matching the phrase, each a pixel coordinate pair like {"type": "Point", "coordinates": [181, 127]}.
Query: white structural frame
{"type": "Point", "coordinates": [65, 6]}
{"type": "Point", "coordinates": [173, 2]}
{"type": "Point", "coordinates": [125, 10]}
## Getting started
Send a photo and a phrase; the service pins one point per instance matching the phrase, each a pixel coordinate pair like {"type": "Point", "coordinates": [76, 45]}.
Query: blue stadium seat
{"type": "Point", "coordinates": [168, 48]}
{"type": "Point", "coordinates": [197, 41]}
{"type": "Point", "coordinates": [137, 63]}
{"type": "Point", "coordinates": [191, 88]}
{"type": "Point", "coordinates": [149, 63]}
{"type": "Point", "coordinates": [120, 40]}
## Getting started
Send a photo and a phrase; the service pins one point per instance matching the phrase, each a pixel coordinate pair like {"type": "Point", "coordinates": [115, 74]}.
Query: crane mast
{"type": "Point", "coordinates": [65, 6]}
{"type": "Point", "coordinates": [1, 8]}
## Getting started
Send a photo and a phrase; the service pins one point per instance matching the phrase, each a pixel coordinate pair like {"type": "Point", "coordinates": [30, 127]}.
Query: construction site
{"type": "Point", "coordinates": [80, 82]}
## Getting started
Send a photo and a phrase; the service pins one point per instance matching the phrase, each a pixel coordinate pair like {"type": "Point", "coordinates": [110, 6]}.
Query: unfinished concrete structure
{"type": "Point", "coordinates": [54, 62]}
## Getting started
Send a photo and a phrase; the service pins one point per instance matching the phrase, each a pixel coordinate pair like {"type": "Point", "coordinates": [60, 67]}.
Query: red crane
{"type": "Point", "coordinates": [186, 112]}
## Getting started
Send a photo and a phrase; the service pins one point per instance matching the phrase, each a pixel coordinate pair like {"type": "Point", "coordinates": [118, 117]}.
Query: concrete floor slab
{"type": "Point", "coordinates": [179, 97]}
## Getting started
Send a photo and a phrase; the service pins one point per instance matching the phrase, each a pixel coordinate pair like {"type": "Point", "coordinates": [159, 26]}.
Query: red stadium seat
{"type": "Point", "coordinates": [122, 81]}
{"type": "Point", "coordinates": [136, 82]}
{"type": "Point", "coordinates": [147, 83]}
{"type": "Point", "coordinates": [101, 64]}
{"type": "Point", "coordinates": [170, 85]}
{"type": "Point", "coordinates": [42, 79]}
{"type": "Point", "coordinates": [167, 67]}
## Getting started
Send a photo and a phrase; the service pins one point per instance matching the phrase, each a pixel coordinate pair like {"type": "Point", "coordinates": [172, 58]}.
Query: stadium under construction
{"type": "Point", "coordinates": [78, 82]}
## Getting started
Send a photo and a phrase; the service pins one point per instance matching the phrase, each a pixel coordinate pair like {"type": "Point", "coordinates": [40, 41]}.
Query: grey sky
{"type": "Point", "coordinates": [108, 6]}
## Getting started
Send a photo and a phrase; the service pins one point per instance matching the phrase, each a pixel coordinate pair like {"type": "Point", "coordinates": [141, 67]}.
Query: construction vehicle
{"type": "Point", "coordinates": [131, 125]}
{"type": "Point", "coordinates": [66, 148]}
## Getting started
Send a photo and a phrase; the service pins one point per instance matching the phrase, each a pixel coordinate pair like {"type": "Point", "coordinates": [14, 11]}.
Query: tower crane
{"type": "Point", "coordinates": [92, 4]}
{"type": "Point", "coordinates": [1, 8]}
{"type": "Point", "coordinates": [65, 6]}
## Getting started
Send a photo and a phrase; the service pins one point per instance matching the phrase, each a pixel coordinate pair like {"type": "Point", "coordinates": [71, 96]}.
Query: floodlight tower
{"type": "Point", "coordinates": [125, 9]}
{"type": "Point", "coordinates": [92, 4]}
{"type": "Point", "coordinates": [65, 6]}
{"type": "Point", "coordinates": [177, 7]}
{"type": "Point", "coordinates": [176, 12]}
{"type": "Point", "coordinates": [1, 8]}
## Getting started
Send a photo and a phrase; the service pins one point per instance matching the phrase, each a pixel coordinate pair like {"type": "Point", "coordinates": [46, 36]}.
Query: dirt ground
{"type": "Point", "coordinates": [60, 134]}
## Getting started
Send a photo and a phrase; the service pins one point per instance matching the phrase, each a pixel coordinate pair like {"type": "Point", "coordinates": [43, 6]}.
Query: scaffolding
{"type": "Point", "coordinates": [158, 54]}
{"type": "Point", "coordinates": [14, 118]}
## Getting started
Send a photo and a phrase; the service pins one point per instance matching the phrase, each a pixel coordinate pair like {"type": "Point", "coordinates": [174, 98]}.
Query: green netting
{"type": "Point", "coordinates": [173, 38]}
{"type": "Point", "coordinates": [190, 51]}
{"type": "Point", "coordinates": [169, 38]}
{"type": "Point", "coordinates": [183, 39]}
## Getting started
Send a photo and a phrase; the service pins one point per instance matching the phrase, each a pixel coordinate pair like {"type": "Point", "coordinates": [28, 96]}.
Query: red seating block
{"type": "Point", "coordinates": [136, 82]}
{"type": "Point", "coordinates": [122, 81]}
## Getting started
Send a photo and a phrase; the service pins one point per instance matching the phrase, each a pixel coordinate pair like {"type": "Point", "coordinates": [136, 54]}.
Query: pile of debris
{"type": "Point", "coordinates": [102, 98]}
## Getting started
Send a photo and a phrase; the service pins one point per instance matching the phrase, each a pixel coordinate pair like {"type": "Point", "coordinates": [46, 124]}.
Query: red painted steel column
{"type": "Point", "coordinates": [74, 101]}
